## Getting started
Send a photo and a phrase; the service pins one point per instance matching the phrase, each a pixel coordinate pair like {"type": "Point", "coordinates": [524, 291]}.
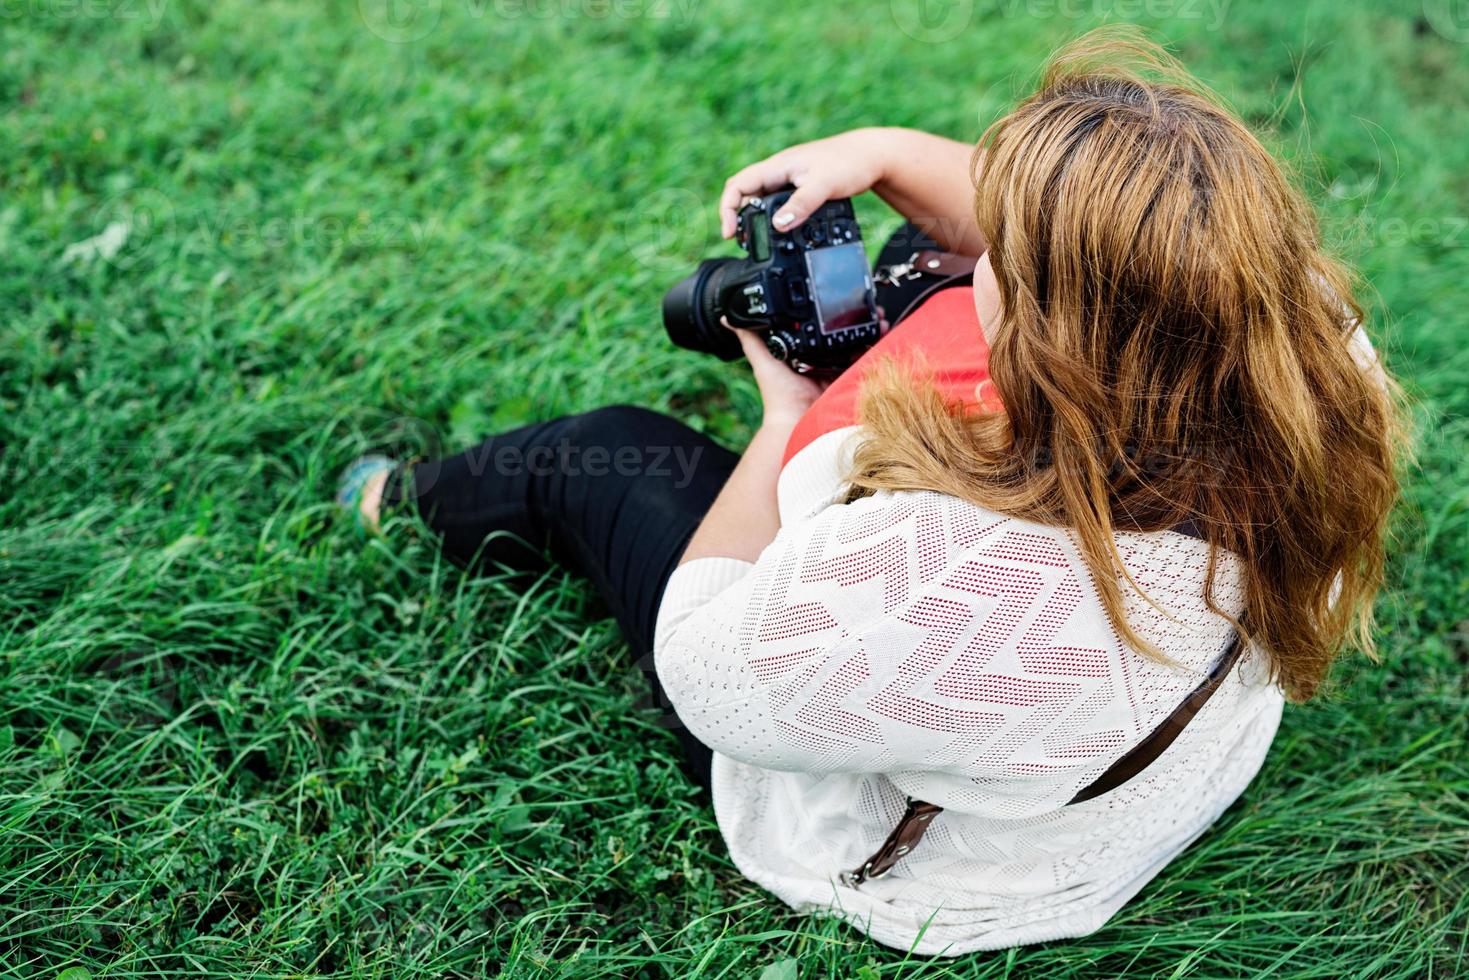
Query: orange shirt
{"type": "Point", "coordinates": [945, 331]}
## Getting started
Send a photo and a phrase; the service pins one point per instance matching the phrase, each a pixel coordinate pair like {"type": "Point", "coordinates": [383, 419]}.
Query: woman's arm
{"type": "Point", "coordinates": [744, 518]}
{"type": "Point", "coordinates": [930, 181]}
{"type": "Point", "coordinates": [927, 179]}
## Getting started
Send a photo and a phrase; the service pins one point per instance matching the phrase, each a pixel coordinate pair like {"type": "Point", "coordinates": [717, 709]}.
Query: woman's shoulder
{"type": "Point", "coordinates": [946, 548]}
{"type": "Point", "coordinates": [948, 529]}
{"type": "Point", "coordinates": [965, 525]}
{"type": "Point", "coordinates": [1000, 604]}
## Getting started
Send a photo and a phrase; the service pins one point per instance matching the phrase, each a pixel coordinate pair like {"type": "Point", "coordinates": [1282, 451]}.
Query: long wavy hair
{"type": "Point", "coordinates": [1174, 346]}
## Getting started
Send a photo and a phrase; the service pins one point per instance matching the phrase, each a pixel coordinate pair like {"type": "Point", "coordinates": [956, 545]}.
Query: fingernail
{"type": "Point", "coordinates": [784, 218]}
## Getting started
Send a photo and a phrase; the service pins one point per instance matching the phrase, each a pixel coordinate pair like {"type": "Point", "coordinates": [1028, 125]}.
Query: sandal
{"type": "Point", "coordinates": [354, 479]}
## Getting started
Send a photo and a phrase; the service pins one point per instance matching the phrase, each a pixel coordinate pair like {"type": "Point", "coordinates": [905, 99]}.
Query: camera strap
{"type": "Point", "coordinates": [924, 273]}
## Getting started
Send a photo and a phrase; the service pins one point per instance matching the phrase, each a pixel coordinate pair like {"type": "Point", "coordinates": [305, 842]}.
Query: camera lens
{"type": "Point", "coordinates": [691, 310]}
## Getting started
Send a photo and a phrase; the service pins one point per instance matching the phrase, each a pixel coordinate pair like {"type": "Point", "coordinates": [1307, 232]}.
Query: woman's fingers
{"type": "Point", "coordinates": [755, 179]}
{"type": "Point", "coordinates": [753, 344]}
{"type": "Point", "coordinates": [844, 165]}
{"type": "Point", "coordinates": [768, 175]}
{"type": "Point", "coordinates": [754, 347]}
{"type": "Point", "coordinates": [807, 197]}
{"type": "Point", "coordinates": [763, 364]}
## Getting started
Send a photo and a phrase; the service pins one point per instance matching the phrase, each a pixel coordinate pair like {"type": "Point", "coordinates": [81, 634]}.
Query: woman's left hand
{"type": "Point", "coordinates": [786, 395]}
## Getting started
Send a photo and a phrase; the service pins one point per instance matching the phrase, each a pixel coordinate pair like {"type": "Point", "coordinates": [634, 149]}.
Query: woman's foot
{"type": "Point", "coordinates": [360, 490]}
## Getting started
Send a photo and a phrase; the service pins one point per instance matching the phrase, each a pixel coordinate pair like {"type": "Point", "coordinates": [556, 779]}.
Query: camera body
{"type": "Point", "coordinates": [808, 289]}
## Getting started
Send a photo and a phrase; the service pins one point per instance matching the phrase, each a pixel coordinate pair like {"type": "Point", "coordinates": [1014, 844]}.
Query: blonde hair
{"type": "Point", "coordinates": [1174, 346]}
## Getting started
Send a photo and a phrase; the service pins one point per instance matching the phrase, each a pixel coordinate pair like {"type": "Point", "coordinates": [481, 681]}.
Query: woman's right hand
{"type": "Point", "coordinates": [844, 165]}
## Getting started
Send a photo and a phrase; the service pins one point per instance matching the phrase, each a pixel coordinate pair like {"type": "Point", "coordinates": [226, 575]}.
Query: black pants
{"type": "Point", "coordinates": [614, 495]}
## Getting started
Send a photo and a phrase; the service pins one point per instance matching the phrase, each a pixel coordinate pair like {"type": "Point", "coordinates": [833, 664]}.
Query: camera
{"type": "Point", "coordinates": [808, 289]}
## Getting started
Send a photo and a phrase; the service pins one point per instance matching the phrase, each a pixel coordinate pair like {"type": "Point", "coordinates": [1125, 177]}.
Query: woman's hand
{"type": "Point", "coordinates": [927, 179]}
{"type": "Point", "coordinates": [844, 165]}
{"type": "Point", "coordinates": [785, 394]}
{"type": "Point", "coordinates": [745, 516]}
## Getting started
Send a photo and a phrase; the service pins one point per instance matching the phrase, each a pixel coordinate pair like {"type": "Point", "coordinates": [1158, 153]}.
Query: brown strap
{"type": "Point", "coordinates": [935, 285]}
{"type": "Point", "coordinates": [919, 816]}
{"type": "Point", "coordinates": [944, 264]}
{"type": "Point", "coordinates": [1147, 751]}
{"type": "Point", "coordinates": [938, 270]}
{"type": "Point", "coordinates": [905, 836]}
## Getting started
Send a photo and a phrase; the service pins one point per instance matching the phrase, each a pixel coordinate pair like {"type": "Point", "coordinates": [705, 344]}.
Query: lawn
{"type": "Point", "coordinates": [243, 242]}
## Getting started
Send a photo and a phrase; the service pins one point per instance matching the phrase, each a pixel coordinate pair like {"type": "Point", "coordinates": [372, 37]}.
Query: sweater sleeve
{"type": "Point", "coordinates": [692, 587]}
{"type": "Point", "coordinates": [736, 643]}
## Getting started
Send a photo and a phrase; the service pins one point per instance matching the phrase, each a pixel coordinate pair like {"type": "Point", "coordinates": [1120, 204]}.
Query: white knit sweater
{"type": "Point", "coordinates": [914, 645]}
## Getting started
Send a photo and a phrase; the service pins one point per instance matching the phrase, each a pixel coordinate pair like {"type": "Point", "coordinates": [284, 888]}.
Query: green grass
{"type": "Point", "coordinates": [238, 741]}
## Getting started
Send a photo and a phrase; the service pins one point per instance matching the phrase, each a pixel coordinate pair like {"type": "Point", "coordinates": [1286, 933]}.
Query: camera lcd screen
{"type": "Point", "coordinates": [759, 241]}
{"type": "Point", "coordinates": [839, 283]}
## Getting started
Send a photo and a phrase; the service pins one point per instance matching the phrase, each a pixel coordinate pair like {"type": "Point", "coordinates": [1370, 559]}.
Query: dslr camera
{"type": "Point", "coordinates": [809, 290]}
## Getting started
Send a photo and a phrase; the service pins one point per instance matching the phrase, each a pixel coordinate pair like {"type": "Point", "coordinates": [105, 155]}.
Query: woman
{"type": "Point", "coordinates": [972, 643]}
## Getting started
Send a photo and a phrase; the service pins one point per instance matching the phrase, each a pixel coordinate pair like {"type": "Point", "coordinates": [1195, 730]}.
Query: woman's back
{"type": "Point", "coordinates": [913, 645]}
